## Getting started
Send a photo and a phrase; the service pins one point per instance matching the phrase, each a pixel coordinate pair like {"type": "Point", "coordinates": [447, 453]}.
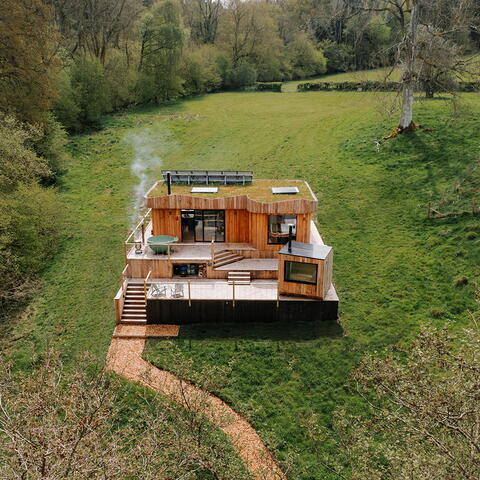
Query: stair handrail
{"type": "Point", "coordinates": [124, 280]}
{"type": "Point", "coordinates": [145, 285]}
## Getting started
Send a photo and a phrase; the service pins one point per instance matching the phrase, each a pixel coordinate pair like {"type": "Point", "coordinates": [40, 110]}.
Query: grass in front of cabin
{"type": "Point", "coordinates": [393, 269]}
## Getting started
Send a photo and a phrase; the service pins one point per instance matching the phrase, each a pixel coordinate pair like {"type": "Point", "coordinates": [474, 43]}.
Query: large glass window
{"type": "Point", "coordinates": [278, 227]}
{"type": "Point", "coordinates": [301, 272]}
{"type": "Point", "coordinates": [203, 225]}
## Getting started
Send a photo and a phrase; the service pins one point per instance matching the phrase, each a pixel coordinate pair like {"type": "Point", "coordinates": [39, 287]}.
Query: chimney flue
{"type": "Point", "coordinates": [290, 235]}
{"type": "Point", "coordinates": [169, 183]}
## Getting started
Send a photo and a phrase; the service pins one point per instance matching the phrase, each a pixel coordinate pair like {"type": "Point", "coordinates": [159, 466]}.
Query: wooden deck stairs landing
{"type": "Point", "coordinates": [240, 278]}
{"type": "Point", "coordinates": [134, 309]}
{"type": "Point", "coordinates": [224, 257]}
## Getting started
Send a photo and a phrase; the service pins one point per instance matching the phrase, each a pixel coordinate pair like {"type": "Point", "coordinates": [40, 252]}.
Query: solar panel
{"type": "Point", "coordinates": [285, 190]}
{"type": "Point", "coordinates": [204, 189]}
{"type": "Point", "coordinates": [207, 177]}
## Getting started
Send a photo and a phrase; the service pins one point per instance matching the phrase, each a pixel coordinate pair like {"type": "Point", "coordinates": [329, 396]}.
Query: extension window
{"type": "Point", "coordinates": [301, 272]}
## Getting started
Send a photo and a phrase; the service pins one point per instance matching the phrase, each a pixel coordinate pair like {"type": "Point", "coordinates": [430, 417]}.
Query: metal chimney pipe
{"type": "Point", "coordinates": [169, 183]}
{"type": "Point", "coordinates": [290, 235]}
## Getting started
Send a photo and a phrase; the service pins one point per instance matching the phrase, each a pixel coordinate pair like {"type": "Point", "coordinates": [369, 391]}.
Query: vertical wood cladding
{"type": "Point", "coordinates": [237, 226]}
{"type": "Point", "coordinates": [167, 222]}
{"type": "Point", "coordinates": [241, 226]}
{"type": "Point", "coordinates": [302, 289]}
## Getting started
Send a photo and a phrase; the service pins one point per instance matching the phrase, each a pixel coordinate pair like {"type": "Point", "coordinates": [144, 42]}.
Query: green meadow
{"type": "Point", "coordinates": [394, 269]}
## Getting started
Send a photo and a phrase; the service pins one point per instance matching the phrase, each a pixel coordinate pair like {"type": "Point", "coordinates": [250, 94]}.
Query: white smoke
{"type": "Point", "coordinates": [148, 147]}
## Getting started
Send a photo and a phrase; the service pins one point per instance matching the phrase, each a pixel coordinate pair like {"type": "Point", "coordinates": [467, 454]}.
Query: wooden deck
{"type": "Point", "coordinates": [189, 252]}
{"type": "Point", "coordinates": [251, 264]}
{"type": "Point", "coordinates": [210, 289]}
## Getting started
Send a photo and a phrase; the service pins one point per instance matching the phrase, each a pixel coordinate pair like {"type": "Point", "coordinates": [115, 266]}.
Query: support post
{"type": "Point", "coordinates": [233, 293]}
{"type": "Point", "coordinates": [189, 294]}
{"type": "Point", "coordinates": [278, 294]}
{"type": "Point", "coordinates": [212, 250]}
{"type": "Point", "coordinates": [143, 234]}
{"type": "Point", "coordinates": [145, 285]}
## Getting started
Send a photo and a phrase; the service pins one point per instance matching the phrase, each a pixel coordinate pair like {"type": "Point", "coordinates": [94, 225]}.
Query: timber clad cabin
{"type": "Point", "coordinates": [223, 246]}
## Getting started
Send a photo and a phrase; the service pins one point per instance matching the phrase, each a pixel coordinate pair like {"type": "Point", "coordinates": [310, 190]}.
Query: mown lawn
{"type": "Point", "coordinates": [394, 269]}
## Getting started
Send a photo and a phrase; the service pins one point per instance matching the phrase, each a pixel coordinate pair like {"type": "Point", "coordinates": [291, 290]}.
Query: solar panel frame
{"type": "Point", "coordinates": [206, 177]}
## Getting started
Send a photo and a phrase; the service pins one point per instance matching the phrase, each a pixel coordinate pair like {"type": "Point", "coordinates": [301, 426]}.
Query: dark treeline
{"type": "Point", "coordinates": [65, 63]}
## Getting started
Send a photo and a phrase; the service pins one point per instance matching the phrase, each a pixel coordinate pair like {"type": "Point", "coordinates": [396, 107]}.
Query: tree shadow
{"type": "Point", "coordinates": [294, 331]}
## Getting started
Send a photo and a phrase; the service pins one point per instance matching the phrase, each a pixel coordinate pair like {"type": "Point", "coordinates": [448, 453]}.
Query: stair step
{"type": "Point", "coordinates": [239, 274]}
{"type": "Point", "coordinates": [221, 255]}
{"type": "Point", "coordinates": [133, 309]}
{"type": "Point", "coordinates": [128, 321]}
{"type": "Point", "coordinates": [237, 258]}
{"type": "Point", "coordinates": [134, 301]}
{"type": "Point", "coordinates": [239, 282]}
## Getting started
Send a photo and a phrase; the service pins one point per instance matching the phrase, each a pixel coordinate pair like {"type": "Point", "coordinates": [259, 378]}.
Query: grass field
{"type": "Point", "coordinates": [394, 269]}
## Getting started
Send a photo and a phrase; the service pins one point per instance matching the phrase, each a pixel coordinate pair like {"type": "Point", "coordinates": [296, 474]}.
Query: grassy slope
{"type": "Point", "coordinates": [391, 267]}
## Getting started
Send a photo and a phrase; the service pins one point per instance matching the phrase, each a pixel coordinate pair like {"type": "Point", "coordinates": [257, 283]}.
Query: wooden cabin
{"type": "Point", "coordinates": [223, 246]}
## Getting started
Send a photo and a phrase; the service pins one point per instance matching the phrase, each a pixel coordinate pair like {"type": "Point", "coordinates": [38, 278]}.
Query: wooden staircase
{"type": "Point", "coordinates": [134, 308]}
{"type": "Point", "coordinates": [224, 257]}
{"type": "Point", "coordinates": [240, 278]}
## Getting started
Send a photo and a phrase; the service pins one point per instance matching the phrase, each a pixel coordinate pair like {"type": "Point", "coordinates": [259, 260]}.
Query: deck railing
{"type": "Point", "coordinates": [137, 235]}
{"type": "Point", "coordinates": [188, 291]}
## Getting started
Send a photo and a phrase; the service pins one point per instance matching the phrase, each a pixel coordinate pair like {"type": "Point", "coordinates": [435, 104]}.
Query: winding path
{"type": "Point", "coordinates": [125, 358]}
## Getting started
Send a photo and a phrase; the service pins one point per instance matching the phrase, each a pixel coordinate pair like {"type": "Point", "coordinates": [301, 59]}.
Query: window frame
{"type": "Point", "coordinates": [285, 270]}
{"type": "Point", "coordinates": [294, 237]}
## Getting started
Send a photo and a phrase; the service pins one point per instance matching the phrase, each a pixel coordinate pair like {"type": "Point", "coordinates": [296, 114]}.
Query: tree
{"type": "Point", "coordinates": [28, 44]}
{"type": "Point", "coordinates": [80, 422]}
{"type": "Point", "coordinates": [28, 213]}
{"type": "Point", "coordinates": [95, 26]}
{"type": "Point", "coordinates": [450, 20]}
{"type": "Point", "coordinates": [202, 18]}
{"type": "Point", "coordinates": [161, 53]}
{"type": "Point", "coordinates": [306, 60]}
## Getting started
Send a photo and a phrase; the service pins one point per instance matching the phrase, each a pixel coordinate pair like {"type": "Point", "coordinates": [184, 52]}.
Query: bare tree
{"type": "Point", "coordinates": [202, 18]}
{"type": "Point", "coordinates": [94, 26]}
{"type": "Point", "coordinates": [421, 24]}
{"type": "Point", "coordinates": [61, 424]}
{"type": "Point", "coordinates": [422, 412]}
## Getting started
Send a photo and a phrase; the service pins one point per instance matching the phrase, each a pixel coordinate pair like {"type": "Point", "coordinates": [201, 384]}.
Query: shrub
{"type": "Point", "coordinates": [28, 230]}
{"type": "Point", "coordinates": [241, 76]}
{"type": "Point", "coordinates": [200, 70]}
{"type": "Point", "coordinates": [18, 162]}
{"type": "Point", "coordinates": [437, 312]}
{"type": "Point", "coordinates": [305, 59]}
{"type": "Point", "coordinates": [461, 281]}
{"type": "Point", "coordinates": [340, 57]}
{"type": "Point", "coordinates": [121, 80]}
{"type": "Point", "coordinates": [51, 147]}
{"type": "Point", "coordinates": [366, 86]}
{"type": "Point", "coordinates": [91, 88]}
{"type": "Point", "coordinates": [269, 87]}
{"type": "Point", "coordinates": [84, 95]}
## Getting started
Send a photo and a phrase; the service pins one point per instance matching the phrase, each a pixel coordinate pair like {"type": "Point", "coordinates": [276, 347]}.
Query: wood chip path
{"type": "Point", "coordinates": [125, 358]}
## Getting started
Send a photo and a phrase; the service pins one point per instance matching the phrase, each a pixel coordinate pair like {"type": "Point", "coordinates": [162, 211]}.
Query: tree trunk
{"type": "Point", "coordinates": [408, 80]}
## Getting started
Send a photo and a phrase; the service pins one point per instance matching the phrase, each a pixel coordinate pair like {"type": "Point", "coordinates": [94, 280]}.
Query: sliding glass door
{"type": "Point", "coordinates": [209, 225]}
